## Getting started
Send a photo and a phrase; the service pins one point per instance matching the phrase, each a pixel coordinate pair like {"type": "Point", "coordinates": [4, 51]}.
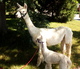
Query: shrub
{"type": "Point", "coordinates": [62, 11]}
{"type": "Point", "coordinates": [67, 11]}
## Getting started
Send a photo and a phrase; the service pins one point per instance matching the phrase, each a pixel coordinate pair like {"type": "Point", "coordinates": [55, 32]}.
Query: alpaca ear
{"type": "Point", "coordinates": [25, 5]}
{"type": "Point", "coordinates": [19, 5]}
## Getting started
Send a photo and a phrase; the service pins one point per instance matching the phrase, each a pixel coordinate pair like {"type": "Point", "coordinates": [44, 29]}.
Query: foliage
{"type": "Point", "coordinates": [67, 11]}
{"type": "Point", "coordinates": [38, 19]}
{"type": "Point", "coordinates": [61, 11]}
{"type": "Point", "coordinates": [58, 10]}
{"type": "Point", "coordinates": [11, 5]}
{"type": "Point", "coordinates": [78, 1]}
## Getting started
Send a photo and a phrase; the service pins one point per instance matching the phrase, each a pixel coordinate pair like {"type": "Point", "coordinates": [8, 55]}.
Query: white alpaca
{"type": "Point", "coordinates": [53, 36]}
{"type": "Point", "coordinates": [51, 57]}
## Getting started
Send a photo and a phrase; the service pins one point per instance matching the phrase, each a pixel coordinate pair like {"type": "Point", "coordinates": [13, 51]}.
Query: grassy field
{"type": "Point", "coordinates": [75, 26]}
{"type": "Point", "coordinates": [17, 47]}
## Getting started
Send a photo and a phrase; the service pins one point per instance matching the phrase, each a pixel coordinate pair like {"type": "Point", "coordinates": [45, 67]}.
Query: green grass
{"type": "Point", "coordinates": [75, 26]}
{"type": "Point", "coordinates": [17, 48]}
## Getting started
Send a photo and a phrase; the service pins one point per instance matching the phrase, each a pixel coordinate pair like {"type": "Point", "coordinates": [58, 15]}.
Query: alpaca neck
{"type": "Point", "coordinates": [32, 29]}
{"type": "Point", "coordinates": [45, 50]}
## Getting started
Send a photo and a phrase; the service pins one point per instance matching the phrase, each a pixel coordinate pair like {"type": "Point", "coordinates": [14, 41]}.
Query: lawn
{"type": "Point", "coordinates": [17, 47]}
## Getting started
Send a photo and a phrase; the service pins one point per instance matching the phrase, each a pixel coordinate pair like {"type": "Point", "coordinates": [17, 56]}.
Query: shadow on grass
{"type": "Point", "coordinates": [75, 57]}
{"type": "Point", "coordinates": [15, 48]}
{"type": "Point", "coordinates": [76, 49]}
{"type": "Point", "coordinates": [76, 34]}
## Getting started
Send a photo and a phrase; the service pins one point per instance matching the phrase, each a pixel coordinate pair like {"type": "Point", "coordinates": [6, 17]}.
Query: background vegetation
{"type": "Point", "coordinates": [55, 10]}
{"type": "Point", "coordinates": [16, 45]}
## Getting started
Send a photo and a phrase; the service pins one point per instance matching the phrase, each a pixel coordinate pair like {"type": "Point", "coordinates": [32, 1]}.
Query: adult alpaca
{"type": "Point", "coordinates": [53, 36]}
{"type": "Point", "coordinates": [51, 57]}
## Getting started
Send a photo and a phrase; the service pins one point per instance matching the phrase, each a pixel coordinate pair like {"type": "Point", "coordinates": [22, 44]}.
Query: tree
{"type": "Point", "coordinates": [3, 8]}
{"type": "Point", "coordinates": [2, 17]}
{"type": "Point", "coordinates": [61, 11]}
{"type": "Point", "coordinates": [78, 1]}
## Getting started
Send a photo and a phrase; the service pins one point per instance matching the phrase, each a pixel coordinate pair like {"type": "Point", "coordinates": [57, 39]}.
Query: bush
{"type": "Point", "coordinates": [62, 11]}
{"type": "Point", "coordinates": [38, 19]}
{"type": "Point", "coordinates": [67, 11]}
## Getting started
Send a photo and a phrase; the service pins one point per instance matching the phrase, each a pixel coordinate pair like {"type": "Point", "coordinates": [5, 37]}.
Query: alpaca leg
{"type": "Point", "coordinates": [48, 66]}
{"type": "Point", "coordinates": [68, 48]}
{"type": "Point", "coordinates": [40, 57]}
{"type": "Point", "coordinates": [63, 46]}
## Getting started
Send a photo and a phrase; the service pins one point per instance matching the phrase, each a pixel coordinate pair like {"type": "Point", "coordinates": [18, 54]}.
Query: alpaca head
{"type": "Point", "coordinates": [21, 11]}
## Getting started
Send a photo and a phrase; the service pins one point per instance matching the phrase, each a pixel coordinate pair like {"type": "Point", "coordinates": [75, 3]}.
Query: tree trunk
{"type": "Point", "coordinates": [2, 18]}
{"type": "Point", "coordinates": [79, 10]}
